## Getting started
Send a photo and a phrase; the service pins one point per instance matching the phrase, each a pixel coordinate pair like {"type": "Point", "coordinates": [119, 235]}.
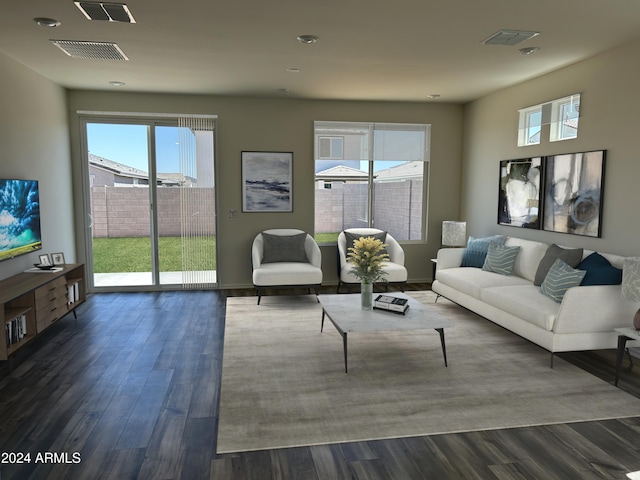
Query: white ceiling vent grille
{"type": "Point", "coordinates": [90, 50]}
{"type": "Point", "coordinates": [110, 12]}
{"type": "Point", "coordinates": [509, 37]}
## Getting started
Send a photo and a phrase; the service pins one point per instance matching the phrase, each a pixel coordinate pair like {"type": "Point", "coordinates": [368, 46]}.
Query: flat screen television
{"type": "Point", "coordinates": [19, 218]}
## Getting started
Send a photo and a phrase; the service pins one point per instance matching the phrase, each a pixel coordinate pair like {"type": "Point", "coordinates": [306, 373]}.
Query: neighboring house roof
{"type": "Point", "coordinates": [403, 171]}
{"type": "Point", "coordinates": [341, 172]}
{"type": "Point", "coordinates": [115, 167]}
{"type": "Point", "coordinates": [122, 170]}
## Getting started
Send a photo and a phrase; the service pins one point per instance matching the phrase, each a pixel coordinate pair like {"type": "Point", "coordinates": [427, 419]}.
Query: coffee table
{"type": "Point", "coordinates": [347, 316]}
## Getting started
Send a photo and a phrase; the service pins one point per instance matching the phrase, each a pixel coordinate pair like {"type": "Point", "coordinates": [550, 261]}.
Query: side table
{"type": "Point", "coordinates": [624, 334]}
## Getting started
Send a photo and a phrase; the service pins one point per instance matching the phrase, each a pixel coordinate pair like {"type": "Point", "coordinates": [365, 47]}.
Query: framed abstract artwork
{"type": "Point", "coordinates": [267, 181]}
{"type": "Point", "coordinates": [573, 193]}
{"type": "Point", "coordinates": [519, 197]}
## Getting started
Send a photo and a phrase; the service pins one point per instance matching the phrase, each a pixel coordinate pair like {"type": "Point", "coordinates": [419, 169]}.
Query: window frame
{"type": "Point", "coordinates": [369, 152]}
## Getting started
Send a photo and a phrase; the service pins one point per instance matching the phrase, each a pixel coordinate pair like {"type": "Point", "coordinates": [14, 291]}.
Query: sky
{"type": "Point", "coordinates": [127, 144]}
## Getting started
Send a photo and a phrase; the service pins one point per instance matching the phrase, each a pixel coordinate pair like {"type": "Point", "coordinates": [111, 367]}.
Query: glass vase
{"type": "Point", "coordinates": [366, 295]}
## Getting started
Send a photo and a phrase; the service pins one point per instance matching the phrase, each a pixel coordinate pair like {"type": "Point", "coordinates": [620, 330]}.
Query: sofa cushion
{"type": "Point", "coordinates": [571, 257]}
{"type": "Point", "coordinates": [500, 259]}
{"type": "Point", "coordinates": [525, 302]}
{"type": "Point", "coordinates": [561, 277]}
{"type": "Point", "coordinates": [284, 248]}
{"type": "Point", "coordinates": [476, 251]}
{"type": "Point", "coordinates": [287, 273]}
{"type": "Point", "coordinates": [472, 281]}
{"type": "Point", "coordinates": [351, 237]}
{"type": "Point", "coordinates": [527, 261]}
{"type": "Point", "coordinates": [599, 271]}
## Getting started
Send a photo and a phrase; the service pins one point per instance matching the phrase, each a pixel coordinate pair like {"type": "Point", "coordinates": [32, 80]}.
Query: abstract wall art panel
{"type": "Point", "coordinates": [573, 193]}
{"type": "Point", "coordinates": [519, 197]}
{"type": "Point", "coordinates": [267, 181]}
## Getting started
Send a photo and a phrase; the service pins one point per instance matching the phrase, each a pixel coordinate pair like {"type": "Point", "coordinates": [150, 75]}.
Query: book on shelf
{"type": "Point", "coordinates": [73, 293]}
{"type": "Point", "coordinates": [16, 329]}
{"type": "Point", "coordinates": [391, 303]}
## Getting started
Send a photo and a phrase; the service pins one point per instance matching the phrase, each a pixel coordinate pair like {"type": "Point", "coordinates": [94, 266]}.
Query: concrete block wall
{"type": "Point", "coordinates": [124, 211]}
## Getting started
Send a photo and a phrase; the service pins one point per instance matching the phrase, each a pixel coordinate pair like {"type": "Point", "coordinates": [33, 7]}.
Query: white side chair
{"type": "Point", "coordinates": [394, 267]}
{"type": "Point", "coordinates": [285, 258]}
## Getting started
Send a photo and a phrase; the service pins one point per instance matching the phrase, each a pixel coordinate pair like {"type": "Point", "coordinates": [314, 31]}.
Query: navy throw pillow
{"type": "Point", "coordinates": [599, 271]}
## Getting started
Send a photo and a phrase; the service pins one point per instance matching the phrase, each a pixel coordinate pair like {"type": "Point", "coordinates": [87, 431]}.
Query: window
{"type": "Point", "coordinates": [565, 114]}
{"type": "Point", "coordinates": [530, 126]}
{"type": "Point", "coordinates": [330, 147]}
{"type": "Point", "coordinates": [561, 115]}
{"type": "Point", "coordinates": [380, 181]}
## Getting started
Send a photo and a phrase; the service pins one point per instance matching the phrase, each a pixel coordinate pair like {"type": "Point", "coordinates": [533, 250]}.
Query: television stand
{"type": "Point", "coordinates": [31, 302]}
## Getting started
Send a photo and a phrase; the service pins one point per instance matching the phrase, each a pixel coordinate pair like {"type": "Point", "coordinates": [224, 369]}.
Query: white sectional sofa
{"type": "Point", "coordinates": [584, 320]}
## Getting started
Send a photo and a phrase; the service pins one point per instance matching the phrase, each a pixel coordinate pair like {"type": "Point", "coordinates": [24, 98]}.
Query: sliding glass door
{"type": "Point", "coordinates": [151, 190]}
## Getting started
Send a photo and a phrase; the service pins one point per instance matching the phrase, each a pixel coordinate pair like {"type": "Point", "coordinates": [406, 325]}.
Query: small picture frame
{"type": "Point", "coordinates": [45, 260]}
{"type": "Point", "coordinates": [58, 258]}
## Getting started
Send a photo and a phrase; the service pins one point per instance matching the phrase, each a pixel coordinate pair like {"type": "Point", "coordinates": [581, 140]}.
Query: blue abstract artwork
{"type": "Point", "coordinates": [267, 181]}
{"type": "Point", "coordinates": [573, 193]}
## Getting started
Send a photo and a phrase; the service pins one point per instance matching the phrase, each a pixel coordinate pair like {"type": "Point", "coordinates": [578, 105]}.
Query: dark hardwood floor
{"type": "Point", "coordinates": [131, 388]}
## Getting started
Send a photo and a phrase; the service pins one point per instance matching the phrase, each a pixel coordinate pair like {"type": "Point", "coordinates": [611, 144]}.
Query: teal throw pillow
{"type": "Point", "coordinates": [500, 259]}
{"type": "Point", "coordinates": [561, 277]}
{"type": "Point", "coordinates": [477, 249]}
{"type": "Point", "coordinates": [599, 271]}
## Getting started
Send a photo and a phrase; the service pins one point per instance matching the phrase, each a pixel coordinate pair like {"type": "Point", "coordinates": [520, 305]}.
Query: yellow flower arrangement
{"type": "Point", "coordinates": [366, 259]}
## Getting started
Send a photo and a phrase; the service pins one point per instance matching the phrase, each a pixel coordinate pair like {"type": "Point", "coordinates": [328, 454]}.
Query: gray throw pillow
{"type": "Point", "coordinates": [284, 248]}
{"type": "Point", "coordinates": [350, 237]}
{"type": "Point", "coordinates": [571, 257]}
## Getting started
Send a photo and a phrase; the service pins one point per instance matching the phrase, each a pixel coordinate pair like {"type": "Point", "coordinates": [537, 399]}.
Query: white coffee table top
{"type": "Point", "coordinates": [345, 312]}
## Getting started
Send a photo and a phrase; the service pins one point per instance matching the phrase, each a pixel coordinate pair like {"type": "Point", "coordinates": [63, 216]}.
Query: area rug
{"type": "Point", "coordinates": [284, 385]}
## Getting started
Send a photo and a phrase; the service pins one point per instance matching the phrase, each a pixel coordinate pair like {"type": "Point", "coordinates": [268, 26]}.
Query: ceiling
{"type": "Point", "coordinates": [402, 50]}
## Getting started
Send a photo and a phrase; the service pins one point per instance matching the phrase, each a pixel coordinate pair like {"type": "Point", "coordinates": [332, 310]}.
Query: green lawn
{"type": "Point", "coordinates": [327, 237]}
{"type": "Point", "coordinates": [133, 254]}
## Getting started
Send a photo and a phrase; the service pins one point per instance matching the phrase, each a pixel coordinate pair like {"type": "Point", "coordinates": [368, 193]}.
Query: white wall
{"type": "Point", "coordinates": [609, 120]}
{"type": "Point", "coordinates": [34, 144]}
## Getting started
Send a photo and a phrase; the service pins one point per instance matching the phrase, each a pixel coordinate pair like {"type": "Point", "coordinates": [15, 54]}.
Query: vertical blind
{"type": "Point", "coordinates": [197, 201]}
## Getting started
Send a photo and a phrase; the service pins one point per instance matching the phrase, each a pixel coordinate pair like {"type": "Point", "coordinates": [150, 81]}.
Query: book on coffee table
{"type": "Point", "coordinates": [391, 303]}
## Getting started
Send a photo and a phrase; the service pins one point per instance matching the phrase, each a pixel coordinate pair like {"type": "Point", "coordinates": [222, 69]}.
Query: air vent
{"type": "Point", "coordinates": [110, 12]}
{"type": "Point", "coordinates": [509, 37]}
{"type": "Point", "coordinates": [90, 50]}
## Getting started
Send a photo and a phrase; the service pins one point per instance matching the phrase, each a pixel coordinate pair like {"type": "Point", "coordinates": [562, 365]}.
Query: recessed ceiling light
{"type": "Point", "coordinates": [282, 90]}
{"type": "Point", "coordinates": [308, 39]}
{"type": "Point", "coordinates": [47, 22]}
{"type": "Point", "coordinates": [117, 83]}
{"type": "Point", "coordinates": [528, 50]}
{"type": "Point", "coordinates": [433, 96]}
{"type": "Point", "coordinates": [293, 70]}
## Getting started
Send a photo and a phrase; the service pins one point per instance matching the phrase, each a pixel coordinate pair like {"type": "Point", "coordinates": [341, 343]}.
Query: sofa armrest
{"type": "Point", "coordinates": [594, 308]}
{"type": "Point", "coordinates": [450, 258]}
